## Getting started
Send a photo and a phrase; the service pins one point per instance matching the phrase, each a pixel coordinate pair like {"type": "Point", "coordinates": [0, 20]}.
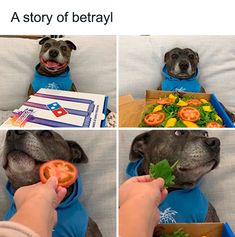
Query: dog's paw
{"type": "Point", "coordinates": [111, 120]}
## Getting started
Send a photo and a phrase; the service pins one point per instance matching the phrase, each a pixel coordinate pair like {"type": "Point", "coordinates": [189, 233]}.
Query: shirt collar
{"type": "Point", "coordinates": [133, 167]}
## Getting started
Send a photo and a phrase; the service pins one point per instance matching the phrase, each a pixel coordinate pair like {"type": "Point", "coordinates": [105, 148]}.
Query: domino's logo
{"type": "Point", "coordinates": [56, 109]}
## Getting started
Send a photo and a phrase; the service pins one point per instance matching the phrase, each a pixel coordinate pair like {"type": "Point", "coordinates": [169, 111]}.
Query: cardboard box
{"type": "Point", "coordinates": [130, 110]}
{"type": "Point", "coordinates": [198, 229]}
{"type": "Point", "coordinates": [55, 108]}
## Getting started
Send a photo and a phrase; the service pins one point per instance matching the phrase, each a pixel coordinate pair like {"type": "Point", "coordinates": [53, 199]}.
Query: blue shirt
{"type": "Point", "coordinates": [72, 216]}
{"type": "Point", "coordinates": [180, 206]}
{"type": "Point", "coordinates": [60, 82]}
{"type": "Point", "coordinates": [171, 83]}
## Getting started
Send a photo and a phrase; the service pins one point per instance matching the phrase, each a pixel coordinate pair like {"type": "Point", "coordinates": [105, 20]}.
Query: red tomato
{"type": "Point", "coordinates": [189, 114]}
{"type": "Point", "coordinates": [65, 172]}
{"type": "Point", "coordinates": [214, 125]}
{"type": "Point", "coordinates": [164, 101]}
{"type": "Point", "coordinates": [154, 119]}
{"type": "Point", "coordinates": [195, 102]}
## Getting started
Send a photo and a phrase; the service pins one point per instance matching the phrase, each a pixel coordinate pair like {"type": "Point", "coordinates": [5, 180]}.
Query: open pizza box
{"type": "Point", "coordinates": [197, 230]}
{"type": "Point", "coordinates": [131, 110]}
{"type": "Point", "coordinates": [55, 108]}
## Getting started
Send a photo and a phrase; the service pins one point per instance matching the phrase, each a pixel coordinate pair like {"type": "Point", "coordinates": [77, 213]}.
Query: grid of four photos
{"type": "Point", "coordinates": [138, 130]}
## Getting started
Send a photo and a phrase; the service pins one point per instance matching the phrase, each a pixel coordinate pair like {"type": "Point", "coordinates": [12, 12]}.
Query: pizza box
{"type": "Point", "coordinates": [197, 229]}
{"type": "Point", "coordinates": [131, 110]}
{"type": "Point", "coordinates": [56, 108]}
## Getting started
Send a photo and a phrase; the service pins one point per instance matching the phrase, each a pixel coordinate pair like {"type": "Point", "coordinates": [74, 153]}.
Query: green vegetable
{"type": "Point", "coordinates": [171, 111]}
{"type": "Point", "coordinates": [163, 170]}
{"type": "Point", "coordinates": [180, 124]}
{"type": "Point", "coordinates": [177, 233]}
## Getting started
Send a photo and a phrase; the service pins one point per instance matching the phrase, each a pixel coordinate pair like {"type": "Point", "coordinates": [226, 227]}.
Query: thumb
{"type": "Point", "coordinates": [52, 182]}
{"type": "Point", "coordinates": [61, 192]}
{"type": "Point", "coordinates": [160, 191]}
{"type": "Point", "coordinates": [159, 183]}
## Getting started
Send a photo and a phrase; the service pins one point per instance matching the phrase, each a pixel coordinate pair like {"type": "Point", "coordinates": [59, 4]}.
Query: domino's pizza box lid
{"type": "Point", "coordinates": [54, 108]}
{"type": "Point", "coordinates": [131, 110]}
{"type": "Point", "coordinates": [197, 229]}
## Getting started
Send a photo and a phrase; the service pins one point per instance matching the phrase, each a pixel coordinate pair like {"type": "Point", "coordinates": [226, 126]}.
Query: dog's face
{"type": "Point", "coordinates": [181, 63]}
{"type": "Point", "coordinates": [196, 152]}
{"type": "Point", "coordinates": [55, 55]}
{"type": "Point", "coordinates": [25, 151]}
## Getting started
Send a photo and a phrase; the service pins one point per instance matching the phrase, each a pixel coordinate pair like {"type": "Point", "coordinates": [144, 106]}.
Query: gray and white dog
{"type": "Point", "coordinates": [24, 152]}
{"type": "Point", "coordinates": [181, 73]}
{"type": "Point", "coordinates": [53, 69]}
{"type": "Point", "coordinates": [197, 154]}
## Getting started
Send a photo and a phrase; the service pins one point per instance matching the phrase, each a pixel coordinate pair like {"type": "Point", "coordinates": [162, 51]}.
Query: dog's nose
{"type": "Point", "coordinates": [213, 143]}
{"type": "Point", "coordinates": [53, 53]}
{"type": "Point", "coordinates": [183, 65]}
{"type": "Point", "coordinates": [15, 133]}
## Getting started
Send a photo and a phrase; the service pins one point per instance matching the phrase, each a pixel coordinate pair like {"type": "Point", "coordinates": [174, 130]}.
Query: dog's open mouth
{"type": "Point", "coordinates": [53, 64]}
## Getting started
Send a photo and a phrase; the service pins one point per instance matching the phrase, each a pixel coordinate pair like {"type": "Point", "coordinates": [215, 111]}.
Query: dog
{"type": "Point", "coordinates": [23, 153]}
{"type": "Point", "coordinates": [53, 71]}
{"type": "Point", "coordinates": [180, 73]}
{"type": "Point", "coordinates": [181, 64]}
{"type": "Point", "coordinates": [197, 154]}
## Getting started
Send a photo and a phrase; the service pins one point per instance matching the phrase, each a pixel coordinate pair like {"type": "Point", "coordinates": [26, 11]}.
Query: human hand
{"type": "Point", "coordinates": [36, 205]}
{"type": "Point", "coordinates": [139, 198]}
{"type": "Point", "coordinates": [143, 186]}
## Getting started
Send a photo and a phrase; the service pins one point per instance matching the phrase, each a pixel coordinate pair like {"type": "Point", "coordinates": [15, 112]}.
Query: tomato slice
{"type": "Point", "coordinates": [154, 119]}
{"type": "Point", "coordinates": [195, 102]}
{"type": "Point", "coordinates": [65, 172]}
{"type": "Point", "coordinates": [213, 125]}
{"type": "Point", "coordinates": [164, 101]}
{"type": "Point", "coordinates": [189, 114]}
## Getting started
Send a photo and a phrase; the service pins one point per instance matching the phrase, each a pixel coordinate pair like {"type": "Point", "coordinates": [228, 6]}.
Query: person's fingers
{"type": "Point", "coordinates": [159, 182]}
{"type": "Point", "coordinates": [141, 179]}
{"type": "Point", "coordinates": [61, 192]}
{"type": "Point", "coordinates": [52, 182]}
{"type": "Point", "coordinates": [164, 194]}
{"type": "Point", "coordinates": [158, 185]}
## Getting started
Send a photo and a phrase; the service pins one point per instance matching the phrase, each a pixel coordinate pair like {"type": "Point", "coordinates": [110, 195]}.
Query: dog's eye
{"type": "Point", "coordinates": [47, 45]}
{"type": "Point", "coordinates": [64, 48]}
{"type": "Point", "coordinates": [174, 56]}
{"type": "Point", "coordinates": [46, 133]}
{"type": "Point", "coordinates": [191, 56]}
{"type": "Point", "coordinates": [179, 133]}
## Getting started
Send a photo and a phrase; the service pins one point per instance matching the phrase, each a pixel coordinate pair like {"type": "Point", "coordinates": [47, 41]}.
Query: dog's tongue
{"type": "Point", "coordinates": [52, 64]}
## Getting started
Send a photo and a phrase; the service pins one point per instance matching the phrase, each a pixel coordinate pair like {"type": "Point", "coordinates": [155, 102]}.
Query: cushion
{"type": "Point", "coordinates": [93, 68]}
{"type": "Point", "coordinates": [217, 185]}
{"type": "Point", "coordinates": [98, 177]}
{"type": "Point", "coordinates": [142, 58]}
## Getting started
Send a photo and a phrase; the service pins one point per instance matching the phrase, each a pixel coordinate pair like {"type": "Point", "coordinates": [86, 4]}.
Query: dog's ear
{"type": "Point", "coordinates": [197, 56]}
{"type": "Point", "coordinates": [77, 153]}
{"type": "Point", "coordinates": [71, 44]}
{"type": "Point", "coordinates": [166, 57]}
{"type": "Point", "coordinates": [139, 146]}
{"type": "Point", "coordinates": [43, 40]}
